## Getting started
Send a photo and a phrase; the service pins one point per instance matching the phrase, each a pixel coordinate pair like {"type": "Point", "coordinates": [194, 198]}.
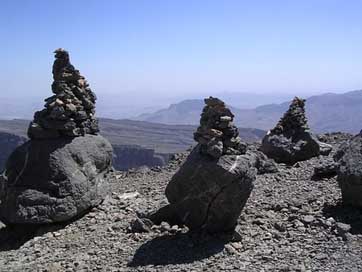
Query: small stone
{"type": "Point", "coordinates": [342, 228]}
{"type": "Point", "coordinates": [236, 245]}
{"type": "Point", "coordinates": [164, 227]}
{"type": "Point", "coordinates": [225, 119]}
{"type": "Point", "coordinates": [230, 249]}
{"type": "Point", "coordinates": [130, 195]}
{"type": "Point", "coordinates": [307, 219]}
{"type": "Point", "coordinates": [330, 221]}
{"type": "Point", "coordinates": [280, 227]}
{"type": "Point", "coordinates": [140, 225]}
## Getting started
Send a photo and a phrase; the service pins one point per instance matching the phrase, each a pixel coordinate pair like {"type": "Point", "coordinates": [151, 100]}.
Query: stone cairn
{"type": "Point", "coordinates": [291, 140]}
{"type": "Point", "coordinates": [70, 111]}
{"type": "Point", "coordinates": [56, 176]}
{"type": "Point", "coordinates": [217, 135]}
{"type": "Point", "coordinates": [294, 120]}
{"type": "Point", "coordinates": [210, 189]}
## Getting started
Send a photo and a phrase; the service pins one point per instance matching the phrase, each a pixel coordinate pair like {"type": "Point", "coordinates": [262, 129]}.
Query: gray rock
{"type": "Point", "coordinates": [208, 194]}
{"type": "Point", "coordinates": [284, 149]}
{"type": "Point", "coordinates": [140, 225]}
{"type": "Point", "coordinates": [291, 141]}
{"type": "Point", "coordinates": [307, 219]}
{"type": "Point", "coordinates": [350, 171]}
{"type": "Point", "coordinates": [54, 180]}
{"type": "Point", "coordinates": [261, 162]}
{"type": "Point", "coordinates": [326, 168]}
{"type": "Point", "coordinates": [324, 149]}
{"type": "Point", "coordinates": [342, 228]}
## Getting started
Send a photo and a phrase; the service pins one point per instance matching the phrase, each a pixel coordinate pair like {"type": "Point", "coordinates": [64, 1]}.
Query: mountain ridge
{"type": "Point", "coordinates": [327, 112]}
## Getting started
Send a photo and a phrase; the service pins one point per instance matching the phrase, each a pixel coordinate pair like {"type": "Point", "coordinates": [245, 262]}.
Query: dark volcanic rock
{"type": "Point", "coordinates": [291, 141]}
{"type": "Point", "coordinates": [54, 180]}
{"type": "Point", "coordinates": [212, 186]}
{"type": "Point", "coordinates": [349, 178]}
{"type": "Point", "coordinates": [61, 172]}
{"type": "Point", "coordinates": [70, 111]}
{"type": "Point", "coordinates": [208, 194]}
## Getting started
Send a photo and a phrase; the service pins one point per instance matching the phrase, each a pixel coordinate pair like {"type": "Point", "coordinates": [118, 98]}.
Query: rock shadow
{"type": "Point", "coordinates": [345, 214]}
{"type": "Point", "coordinates": [12, 237]}
{"type": "Point", "coordinates": [174, 249]}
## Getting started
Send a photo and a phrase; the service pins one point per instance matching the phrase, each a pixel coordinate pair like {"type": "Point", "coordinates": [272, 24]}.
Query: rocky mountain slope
{"type": "Point", "coordinates": [326, 113]}
{"type": "Point", "coordinates": [291, 222]}
{"type": "Point", "coordinates": [138, 143]}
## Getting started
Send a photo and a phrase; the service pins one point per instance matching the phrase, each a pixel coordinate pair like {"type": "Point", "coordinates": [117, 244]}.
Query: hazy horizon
{"type": "Point", "coordinates": [149, 54]}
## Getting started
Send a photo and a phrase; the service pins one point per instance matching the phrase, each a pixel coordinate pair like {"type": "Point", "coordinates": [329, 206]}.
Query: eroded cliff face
{"type": "Point", "coordinates": [8, 142]}
{"type": "Point", "coordinates": [126, 157]}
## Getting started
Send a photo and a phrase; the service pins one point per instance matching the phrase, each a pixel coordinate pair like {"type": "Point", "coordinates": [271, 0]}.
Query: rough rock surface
{"type": "Point", "coordinates": [54, 180]}
{"type": "Point", "coordinates": [290, 223]}
{"type": "Point", "coordinates": [291, 141]}
{"type": "Point", "coordinates": [211, 188]}
{"type": "Point", "coordinates": [61, 172]}
{"type": "Point", "coordinates": [70, 111]}
{"type": "Point", "coordinates": [208, 195]}
{"type": "Point", "coordinates": [217, 135]}
{"type": "Point", "coordinates": [326, 168]}
{"type": "Point", "coordinates": [349, 157]}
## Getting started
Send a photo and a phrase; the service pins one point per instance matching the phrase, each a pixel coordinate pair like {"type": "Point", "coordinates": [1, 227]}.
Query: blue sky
{"type": "Point", "coordinates": [169, 48]}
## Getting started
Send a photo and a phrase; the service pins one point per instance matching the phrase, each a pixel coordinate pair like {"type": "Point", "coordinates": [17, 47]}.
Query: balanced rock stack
{"type": "Point", "coordinates": [210, 189]}
{"type": "Point", "coordinates": [62, 171]}
{"type": "Point", "coordinates": [70, 111]}
{"type": "Point", "coordinates": [349, 157]}
{"type": "Point", "coordinates": [291, 141]}
{"type": "Point", "coordinates": [217, 135]}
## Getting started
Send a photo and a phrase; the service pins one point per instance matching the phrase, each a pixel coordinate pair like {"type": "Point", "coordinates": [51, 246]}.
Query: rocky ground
{"type": "Point", "coordinates": [292, 222]}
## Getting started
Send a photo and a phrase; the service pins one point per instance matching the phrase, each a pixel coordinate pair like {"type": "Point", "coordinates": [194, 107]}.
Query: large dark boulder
{"type": "Point", "coordinates": [349, 178]}
{"type": "Point", "coordinates": [208, 194]}
{"type": "Point", "coordinates": [54, 180]}
{"type": "Point", "coordinates": [290, 149]}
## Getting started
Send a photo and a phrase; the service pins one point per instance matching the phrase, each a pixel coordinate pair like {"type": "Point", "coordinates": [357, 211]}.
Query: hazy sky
{"type": "Point", "coordinates": [179, 48]}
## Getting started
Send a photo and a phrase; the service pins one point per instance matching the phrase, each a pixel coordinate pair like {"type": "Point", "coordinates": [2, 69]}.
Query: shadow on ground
{"type": "Point", "coordinates": [13, 237]}
{"type": "Point", "coordinates": [345, 214]}
{"type": "Point", "coordinates": [174, 249]}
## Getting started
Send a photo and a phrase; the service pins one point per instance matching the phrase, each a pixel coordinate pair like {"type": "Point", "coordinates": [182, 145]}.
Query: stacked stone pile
{"type": "Point", "coordinates": [70, 111]}
{"type": "Point", "coordinates": [217, 135]}
{"type": "Point", "coordinates": [294, 120]}
{"type": "Point", "coordinates": [63, 170]}
{"type": "Point", "coordinates": [210, 189]}
{"type": "Point", "coordinates": [291, 141]}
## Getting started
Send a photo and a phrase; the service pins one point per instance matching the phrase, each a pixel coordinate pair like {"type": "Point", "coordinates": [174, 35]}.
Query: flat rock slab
{"type": "Point", "coordinates": [54, 180]}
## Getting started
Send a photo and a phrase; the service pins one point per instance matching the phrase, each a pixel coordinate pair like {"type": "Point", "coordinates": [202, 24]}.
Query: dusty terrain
{"type": "Point", "coordinates": [291, 222]}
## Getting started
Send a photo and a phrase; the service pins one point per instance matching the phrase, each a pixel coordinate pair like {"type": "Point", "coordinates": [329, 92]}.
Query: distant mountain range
{"type": "Point", "coordinates": [326, 113]}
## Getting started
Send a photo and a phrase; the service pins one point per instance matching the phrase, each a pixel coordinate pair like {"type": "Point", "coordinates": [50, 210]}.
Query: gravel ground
{"type": "Point", "coordinates": [290, 223]}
